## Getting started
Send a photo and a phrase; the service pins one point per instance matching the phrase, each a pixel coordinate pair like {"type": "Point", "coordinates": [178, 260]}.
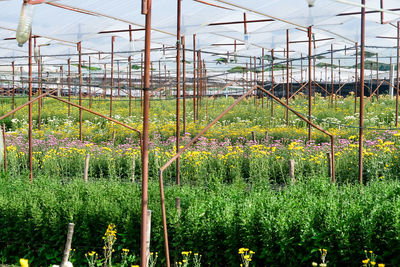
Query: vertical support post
{"type": "Point", "coordinates": [148, 233]}
{"type": "Point", "coordinates": [112, 75]}
{"type": "Point", "coordinates": [13, 85]}
{"type": "Point", "coordinates": [68, 243]}
{"type": "Point", "coordinates": [314, 78]}
{"type": "Point", "coordinates": [309, 81]}
{"type": "Point", "coordinates": [262, 77]}
{"type": "Point", "coordinates": [326, 79]}
{"type": "Point", "coordinates": [178, 87]}
{"type": "Point", "coordinates": [287, 77]}
{"type": "Point", "coordinates": [151, 76]}
{"type": "Point", "coordinates": [141, 82]}
{"type": "Point", "coordinates": [340, 81]}
{"type": "Point", "coordinates": [377, 76]}
{"type": "Point", "coordinates": [356, 81]}
{"type": "Point", "coordinates": [272, 81]}
{"type": "Point", "coordinates": [247, 76]}
{"type": "Point", "coordinates": [159, 76]}
{"type": "Point", "coordinates": [69, 86]}
{"type": "Point", "coordinates": [145, 143]}
{"type": "Point", "coordinates": [397, 74]}
{"type": "Point", "coordinates": [130, 84]}
{"type": "Point", "coordinates": [361, 132]}
{"type": "Point", "coordinates": [90, 84]}
{"type": "Point", "coordinates": [105, 81]}
{"type": "Point", "coordinates": [200, 87]}
{"type": "Point", "coordinates": [80, 89]}
{"type": "Point", "coordinates": [184, 82]}
{"type": "Point", "coordinates": [291, 171]}
{"type": "Point", "coordinates": [194, 77]}
{"type": "Point", "coordinates": [61, 80]}
{"type": "Point", "coordinates": [39, 87]}
{"type": "Point", "coordinates": [86, 170]}
{"type": "Point", "coordinates": [391, 90]}
{"type": "Point", "coordinates": [301, 69]}
{"type": "Point", "coordinates": [118, 80]}
{"type": "Point", "coordinates": [332, 75]}
{"type": "Point", "coordinates": [30, 152]}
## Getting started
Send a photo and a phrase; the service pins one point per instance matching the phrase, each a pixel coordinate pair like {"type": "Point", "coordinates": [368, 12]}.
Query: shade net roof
{"type": "Point", "coordinates": [216, 24]}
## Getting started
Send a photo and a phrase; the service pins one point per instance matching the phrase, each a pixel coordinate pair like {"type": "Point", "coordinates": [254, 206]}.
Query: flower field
{"type": "Point", "coordinates": [244, 159]}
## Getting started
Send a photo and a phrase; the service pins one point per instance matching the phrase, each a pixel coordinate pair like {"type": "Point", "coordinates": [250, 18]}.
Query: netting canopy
{"type": "Point", "coordinates": [220, 28]}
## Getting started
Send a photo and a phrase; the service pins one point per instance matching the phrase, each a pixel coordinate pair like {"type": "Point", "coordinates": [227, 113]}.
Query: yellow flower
{"type": "Point", "coordinates": [314, 264]}
{"type": "Point", "coordinates": [24, 262]}
{"type": "Point", "coordinates": [373, 263]}
{"type": "Point", "coordinates": [381, 265]}
{"type": "Point", "coordinates": [365, 261]}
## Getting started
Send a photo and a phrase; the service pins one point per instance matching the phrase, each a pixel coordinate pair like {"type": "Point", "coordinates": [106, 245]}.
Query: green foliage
{"type": "Point", "coordinates": [282, 226]}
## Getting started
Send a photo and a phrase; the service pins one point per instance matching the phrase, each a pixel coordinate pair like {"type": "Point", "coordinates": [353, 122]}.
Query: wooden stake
{"type": "Point", "coordinates": [148, 236]}
{"type": "Point", "coordinates": [85, 175]}
{"type": "Point", "coordinates": [291, 170]}
{"type": "Point", "coordinates": [67, 248]}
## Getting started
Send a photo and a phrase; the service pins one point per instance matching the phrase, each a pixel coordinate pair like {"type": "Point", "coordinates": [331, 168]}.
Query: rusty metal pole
{"type": "Point", "coordinates": [198, 87]}
{"type": "Point", "coordinates": [338, 84]}
{"type": "Point", "coordinates": [184, 82]}
{"type": "Point", "coordinates": [130, 84]}
{"type": "Point", "coordinates": [178, 86]}
{"type": "Point", "coordinates": [80, 89]}
{"type": "Point", "coordinates": [146, 6]}
{"type": "Point", "coordinates": [309, 80]}
{"type": "Point", "coordinates": [141, 82]}
{"type": "Point", "coordinates": [151, 76]}
{"type": "Point", "coordinates": [30, 126]}
{"type": "Point", "coordinates": [312, 84]}
{"type": "Point", "coordinates": [301, 68]}
{"type": "Point", "coordinates": [377, 76]}
{"type": "Point", "coordinates": [254, 79]}
{"type": "Point", "coordinates": [112, 74]}
{"type": "Point", "coordinates": [356, 81]}
{"type": "Point", "coordinates": [90, 84]}
{"type": "Point", "coordinates": [332, 75]}
{"type": "Point", "coordinates": [13, 84]}
{"type": "Point", "coordinates": [397, 74]}
{"type": "Point", "coordinates": [61, 79]}
{"type": "Point", "coordinates": [159, 76]}
{"type": "Point", "coordinates": [194, 77]}
{"type": "Point", "coordinates": [69, 86]}
{"type": "Point", "coordinates": [118, 80]}
{"type": "Point", "coordinates": [361, 133]}
{"type": "Point", "coordinates": [39, 86]}
{"type": "Point", "coordinates": [272, 81]}
{"type": "Point", "coordinates": [287, 76]}
{"type": "Point", "coordinates": [326, 79]}
{"type": "Point", "coordinates": [262, 77]}
{"type": "Point", "coordinates": [105, 81]}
